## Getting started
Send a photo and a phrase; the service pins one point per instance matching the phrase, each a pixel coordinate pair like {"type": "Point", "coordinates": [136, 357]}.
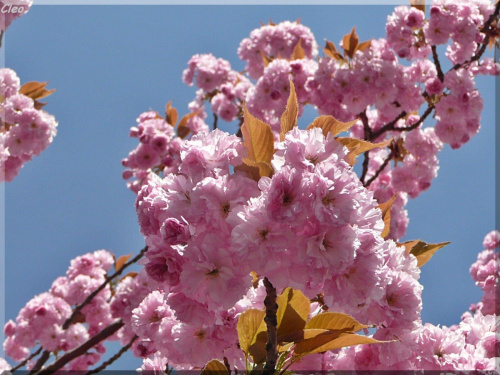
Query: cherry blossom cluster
{"type": "Point", "coordinates": [25, 131]}
{"type": "Point", "coordinates": [11, 10]}
{"type": "Point", "coordinates": [44, 320]}
{"type": "Point", "coordinates": [224, 88]}
{"type": "Point", "coordinates": [275, 41]}
{"type": "Point", "coordinates": [455, 24]}
{"type": "Point", "coordinates": [471, 345]}
{"type": "Point", "coordinates": [486, 273]}
{"type": "Point", "coordinates": [268, 98]}
{"type": "Point", "coordinates": [460, 21]}
{"type": "Point", "coordinates": [312, 226]}
{"type": "Point", "coordinates": [374, 77]}
{"type": "Point", "coordinates": [158, 148]}
{"type": "Point", "coordinates": [370, 81]}
{"type": "Point", "coordinates": [459, 111]}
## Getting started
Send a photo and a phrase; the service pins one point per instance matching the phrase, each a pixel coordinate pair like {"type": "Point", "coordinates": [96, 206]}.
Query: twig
{"type": "Point", "coordinates": [272, 328]}
{"type": "Point", "coordinates": [1, 37]}
{"type": "Point", "coordinates": [82, 349]}
{"type": "Point", "coordinates": [379, 170]}
{"type": "Point", "coordinates": [437, 63]}
{"type": "Point", "coordinates": [21, 364]}
{"type": "Point", "coordinates": [101, 287]}
{"type": "Point", "coordinates": [113, 358]}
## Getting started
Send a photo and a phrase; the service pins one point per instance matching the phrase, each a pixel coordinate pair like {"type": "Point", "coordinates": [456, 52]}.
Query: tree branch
{"type": "Point", "coordinates": [440, 73]}
{"type": "Point", "coordinates": [272, 328]}
{"type": "Point", "coordinates": [426, 114]}
{"type": "Point", "coordinates": [113, 358]}
{"type": "Point", "coordinates": [367, 135]}
{"type": "Point", "coordinates": [82, 349]}
{"type": "Point", "coordinates": [379, 170]}
{"type": "Point", "coordinates": [38, 365]}
{"type": "Point", "coordinates": [21, 364]}
{"type": "Point", "coordinates": [387, 127]}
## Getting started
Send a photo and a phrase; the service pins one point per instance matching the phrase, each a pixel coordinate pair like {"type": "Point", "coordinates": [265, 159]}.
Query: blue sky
{"type": "Point", "coordinates": [110, 63]}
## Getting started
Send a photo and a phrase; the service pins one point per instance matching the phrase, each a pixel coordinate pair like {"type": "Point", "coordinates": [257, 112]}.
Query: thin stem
{"type": "Point", "coordinates": [21, 364]}
{"type": "Point", "coordinates": [437, 63]}
{"type": "Point", "coordinates": [379, 170]}
{"type": "Point", "coordinates": [82, 349]}
{"type": "Point", "coordinates": [101, 287]}
{"type": "Point", "coordinates": [272, 328]}
{"type": "Point", "coordinates": [1, 37]}
{"type": "Point", "coordinates": [113, 358]}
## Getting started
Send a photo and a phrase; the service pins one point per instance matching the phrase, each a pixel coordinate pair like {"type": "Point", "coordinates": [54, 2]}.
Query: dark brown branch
{"type": "Point", "coordinates": [379, 170]}
{"type": "Point", "coordinates": [272, 328]}
{"type": "Point", "coordinates": [437, 63]}
{"type": "Point", "coordinates": [486, 30]}
{"type": "Point", "coordinates": [387, 127]}
{"type": "Point", "coordinates": [101, 287]}
{"type": "Point", "coordinates": [426, 114]}
{"type": "Point", "coordinates": [240, 124]}
{"type": "Point", "coordinates": [21, 364]}
{"type": "Point", "coordinates": [367, 135]}
{"type": "Point", "coordinates": [113, 358]}
{"type": "Point", "coordinates": [215, 121]}
{"type": "Point", "coordinates": [82, 349]}
{"type": "Point", "coordinates": [38, 365]}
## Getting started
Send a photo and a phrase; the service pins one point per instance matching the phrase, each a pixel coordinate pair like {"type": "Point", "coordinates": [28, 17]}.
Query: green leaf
{"type": "Point", "coordinates": [248, 325]}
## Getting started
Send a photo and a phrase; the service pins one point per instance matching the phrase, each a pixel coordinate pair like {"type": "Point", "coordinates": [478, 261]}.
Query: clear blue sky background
{"type": "Point", "coordinates": [110, 63]}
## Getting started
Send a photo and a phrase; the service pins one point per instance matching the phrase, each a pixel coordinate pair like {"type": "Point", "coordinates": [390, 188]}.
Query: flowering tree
{"type": "Point", "coordinates": [265, 251]}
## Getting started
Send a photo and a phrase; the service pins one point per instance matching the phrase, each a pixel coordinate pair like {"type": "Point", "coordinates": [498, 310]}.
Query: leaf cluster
{"type": "Point", "coordinates": [298, 335]}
